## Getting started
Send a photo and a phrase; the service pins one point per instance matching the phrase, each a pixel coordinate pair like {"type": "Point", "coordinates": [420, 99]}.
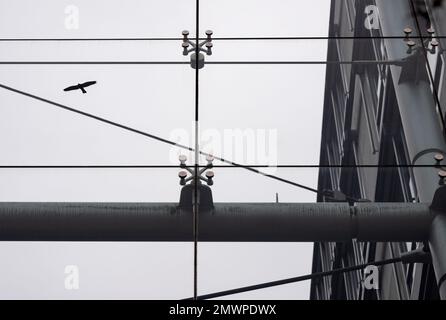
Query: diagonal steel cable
{"type": "Point", "coordinates": [295, 279]}
{"type": "Point", "coordinates": [113, 123]}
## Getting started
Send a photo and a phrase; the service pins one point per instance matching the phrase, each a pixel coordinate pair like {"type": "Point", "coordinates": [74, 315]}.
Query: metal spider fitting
{"type": "Point", "coordinates": [208, 174]}
{"type": "Point", "coordinates": [430, 44]}
{"type": "Point", "coordinates": [197, 58]}
{"type": "Point", "coordinates": [439, 158]}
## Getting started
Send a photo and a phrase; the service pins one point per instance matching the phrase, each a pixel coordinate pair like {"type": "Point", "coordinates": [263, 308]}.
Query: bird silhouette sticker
{"type": "Point", "coordinates": [80, 86]}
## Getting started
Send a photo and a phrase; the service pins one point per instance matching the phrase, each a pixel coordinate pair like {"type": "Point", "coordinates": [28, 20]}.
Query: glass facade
{"type": "Point", "coordinates": [299, 101]}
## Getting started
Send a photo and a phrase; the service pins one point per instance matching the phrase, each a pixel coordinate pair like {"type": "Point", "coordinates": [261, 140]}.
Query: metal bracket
{"type": "Point", "coordinates": [204, 197]}
{"type": "Point", "coordinates": [196, 173]}
{"type": "Point", "coordinates": [339, 196]}
{"type": "Point", "coordinates": [334, 196]}
{"type": "Point", "coordinates": [439, 201]}
{"type": "Point", "coordinates": [414, 68]}
{"type": "Point", "coordinates": [420, 255]}
{"type": "Point", "coordinates": [439, 158]}
{"type": "Point", "coordinates": [197, 58]}
{"type": "Point", "coordinates": [430, 44]}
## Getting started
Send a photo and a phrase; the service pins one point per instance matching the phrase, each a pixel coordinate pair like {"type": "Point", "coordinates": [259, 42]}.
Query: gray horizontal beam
{"type": "Point", "coordinates": [239, 222]}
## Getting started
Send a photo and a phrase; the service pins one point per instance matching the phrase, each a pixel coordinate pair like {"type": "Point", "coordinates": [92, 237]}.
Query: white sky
{"type": "Point", "coordinates": [157, 99]}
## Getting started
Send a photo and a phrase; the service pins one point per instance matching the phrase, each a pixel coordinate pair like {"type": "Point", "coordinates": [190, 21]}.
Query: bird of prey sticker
{"type": "Point", "coordinates": [80, 86]}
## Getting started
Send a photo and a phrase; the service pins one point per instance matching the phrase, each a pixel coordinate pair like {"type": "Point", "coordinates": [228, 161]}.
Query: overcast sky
{"type": "Point", "coordinates": [158, 99]}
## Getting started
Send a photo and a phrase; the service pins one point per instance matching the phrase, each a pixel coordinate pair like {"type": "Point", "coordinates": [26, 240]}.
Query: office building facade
{"type": "Point", "coordinates": [374, 74]}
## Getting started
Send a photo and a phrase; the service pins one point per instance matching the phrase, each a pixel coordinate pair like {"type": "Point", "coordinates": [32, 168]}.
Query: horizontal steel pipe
{"type": "Point", "coordinates": [93, 222]}
{"type": "Point", "coordinates": [393, 221]}
{"type": "Point", "coordinates": [281, 222]}
{"type": "Point", "coordinates": [239, 222]}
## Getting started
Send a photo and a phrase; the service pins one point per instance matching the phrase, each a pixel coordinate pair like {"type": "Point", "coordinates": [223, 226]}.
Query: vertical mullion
{"type": "Point", "coordinates": [195, 200]}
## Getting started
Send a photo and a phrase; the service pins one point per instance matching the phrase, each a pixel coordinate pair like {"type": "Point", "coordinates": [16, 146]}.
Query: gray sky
{"type": "Point", "coordinates": [157, 99]}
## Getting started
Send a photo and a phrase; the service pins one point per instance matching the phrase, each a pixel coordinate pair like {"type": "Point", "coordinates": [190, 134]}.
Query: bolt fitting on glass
{"type": "Point", "coordinates": [442, 175]}
{"type": "Point", "coordinates": [430, 44]}
{"type": "Point", "coordinates": [192, 174]}
{"type": "Point", "coordinates": [197, 58]}
{"type": "Point", "coordinates": [438, 160]}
